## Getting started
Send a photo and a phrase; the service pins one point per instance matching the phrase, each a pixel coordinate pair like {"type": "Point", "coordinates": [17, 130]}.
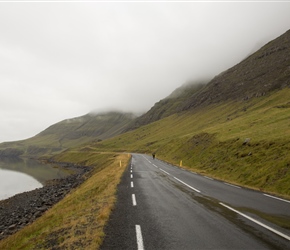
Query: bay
{"type": "Point", "coordinates": [20, 175]}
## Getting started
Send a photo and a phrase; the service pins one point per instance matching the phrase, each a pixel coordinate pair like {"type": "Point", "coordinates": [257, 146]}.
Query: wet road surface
{"type": "Point", "coordinates": [161, 206]}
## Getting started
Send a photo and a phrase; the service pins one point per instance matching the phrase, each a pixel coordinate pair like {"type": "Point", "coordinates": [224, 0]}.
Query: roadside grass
{"type": "Point", "coordinates": [77, 221]}
{"type": "Point", "coordinates": [245, 143]}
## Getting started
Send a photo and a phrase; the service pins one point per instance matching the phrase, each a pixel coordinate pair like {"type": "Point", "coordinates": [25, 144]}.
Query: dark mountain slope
{"type": "Point", "coordinates": [266, 70]}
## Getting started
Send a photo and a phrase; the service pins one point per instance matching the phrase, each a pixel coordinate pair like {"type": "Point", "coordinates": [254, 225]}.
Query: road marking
{"type": "Point", "coordinates": [258, 222]}
{"type": "Point", "coordinates": [131, 171]}
{"type": "Point", "coordinates": [132, 184]}
{"type": "Point", "coordinates": [164, 171]}
{"type": "Point", "coordinates": [154, 165]}
{"type": "Point", "coordinates": [276, 198]}
{"type": "Point", "coordinates": [131, 176]}
{"type": "Point", "coordinates": [196, 190]}
{"type": "Point", "coordinates": [134, 200]}
{"type": "Point", "coordinates": [140, 245]}
{"type": "Point", "coordinates": [208, 177]}
{"type": "Point", "coordinates": [231, 185]}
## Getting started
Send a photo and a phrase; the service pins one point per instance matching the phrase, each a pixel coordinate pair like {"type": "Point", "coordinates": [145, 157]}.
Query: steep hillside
{"type": "Point", "coordinates": [169, 105]}
{"type": "Point", "coordinates": [69, 133]}
{"type": "Point", "coordinates": [266, 70]}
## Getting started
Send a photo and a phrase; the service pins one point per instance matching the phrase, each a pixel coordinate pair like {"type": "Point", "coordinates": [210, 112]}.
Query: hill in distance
{"type": "Point", "coordinates": [70, 133]}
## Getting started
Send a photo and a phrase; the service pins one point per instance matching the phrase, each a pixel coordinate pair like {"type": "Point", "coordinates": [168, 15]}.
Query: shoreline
{"type": "Point", "coordinates": [22, 209]}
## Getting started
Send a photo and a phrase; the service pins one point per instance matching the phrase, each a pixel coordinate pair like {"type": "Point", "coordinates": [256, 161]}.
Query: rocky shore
{"type": "Point", "coordinates": [22, 209]}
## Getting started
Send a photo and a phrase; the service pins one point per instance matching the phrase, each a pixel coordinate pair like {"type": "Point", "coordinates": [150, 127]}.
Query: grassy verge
{"type": "Point", "coordinates": [78, 220]}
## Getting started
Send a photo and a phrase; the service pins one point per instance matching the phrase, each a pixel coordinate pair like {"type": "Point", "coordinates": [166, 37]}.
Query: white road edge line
{"type": "Point", "coordinates": [196, 190]}
{"type": "Point", "coordinates": [140, 245]}
{"type": "Point", "coordinates": [134, 200]}
{"type": "Point", "coordinates": [258, 222]}
{"type": "Point", "coordinates": [132, 184]}
{"type": "Point", "coordinates": [276, 198]}
{"type": "Point", "coordinates": [164, 171]}
{"type": "Point", "coordinates": [231, 185]}
{"type": "Point", "coordinates": [208, 178]}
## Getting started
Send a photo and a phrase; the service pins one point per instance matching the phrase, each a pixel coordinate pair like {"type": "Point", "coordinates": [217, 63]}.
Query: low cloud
{"type": "Point", "coordinates": [62, 60]}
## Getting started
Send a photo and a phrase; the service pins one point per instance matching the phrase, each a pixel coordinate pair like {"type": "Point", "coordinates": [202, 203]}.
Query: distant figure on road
{"type": "Point", "coordinates": [153, 155]}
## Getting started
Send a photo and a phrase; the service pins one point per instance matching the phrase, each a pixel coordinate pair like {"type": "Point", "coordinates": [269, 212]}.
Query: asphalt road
{"type": "Point", "coordinates": [161, 206]}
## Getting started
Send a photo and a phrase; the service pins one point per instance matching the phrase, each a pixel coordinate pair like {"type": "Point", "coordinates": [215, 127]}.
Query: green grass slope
{"type": "Point", "coordinates": [245, 143]}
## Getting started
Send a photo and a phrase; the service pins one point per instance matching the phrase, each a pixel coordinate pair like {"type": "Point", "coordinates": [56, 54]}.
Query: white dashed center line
{"type": "Point", "coordinates": [140, 245]}
{"type": "Point", "coordinates": [134, 200]}
{"type": "Point", "coordinates": [132, 184]}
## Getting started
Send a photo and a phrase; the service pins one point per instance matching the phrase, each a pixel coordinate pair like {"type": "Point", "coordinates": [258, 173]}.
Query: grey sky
{"type": "Point", "coordinates": [61, 60]}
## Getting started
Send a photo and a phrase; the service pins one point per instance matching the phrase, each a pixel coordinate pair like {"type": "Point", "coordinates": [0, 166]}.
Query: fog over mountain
{"type": "Point", "coordinates": [61, 60]}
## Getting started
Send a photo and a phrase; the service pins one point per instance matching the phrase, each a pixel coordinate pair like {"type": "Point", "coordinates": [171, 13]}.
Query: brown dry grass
{"type": "Point", "coordinates": [76, 222]}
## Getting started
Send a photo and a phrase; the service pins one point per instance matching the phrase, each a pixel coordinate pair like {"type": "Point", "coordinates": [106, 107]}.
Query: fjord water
{"type": "Point", "coordinates": [20, 175]}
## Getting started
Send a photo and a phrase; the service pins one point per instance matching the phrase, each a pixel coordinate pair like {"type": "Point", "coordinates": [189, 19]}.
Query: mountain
{"type": "Point", "coordinates": [263, 72]}
{"type": "Point", "coordinates": [169, 105]}
{"type": "Point", "coordinates": [70, 133]}
{"type": "Point", "coordinates": [88, 127]}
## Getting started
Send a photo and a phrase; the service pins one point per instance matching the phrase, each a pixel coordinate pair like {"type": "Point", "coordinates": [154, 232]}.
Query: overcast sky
{"type": "Point", "coordinates": [62, 60]}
